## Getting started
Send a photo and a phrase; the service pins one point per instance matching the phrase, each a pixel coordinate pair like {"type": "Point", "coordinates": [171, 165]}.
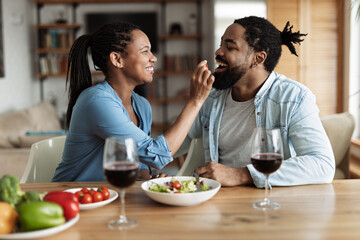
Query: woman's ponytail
{"type": "Point", "coordinates": [78, 75]}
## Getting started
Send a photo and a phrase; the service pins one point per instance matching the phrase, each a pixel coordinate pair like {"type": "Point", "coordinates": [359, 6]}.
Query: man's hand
{"type": "Point", "coordinates": [227, 176]}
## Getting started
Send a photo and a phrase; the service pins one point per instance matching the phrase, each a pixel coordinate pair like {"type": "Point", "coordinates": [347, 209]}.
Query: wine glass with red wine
{"type": "Point", "coordinates": [121, 164]}
{"type": "Point", "coordinates": [266, 157]}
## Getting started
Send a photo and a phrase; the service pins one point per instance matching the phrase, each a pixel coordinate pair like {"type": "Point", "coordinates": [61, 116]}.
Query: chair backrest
{"type": "Point", "coordinates": [44, 157]}
{"type": "Point", "coordinates": [339, 128]}
{"type": "Point", "coordinates": [194, 159]}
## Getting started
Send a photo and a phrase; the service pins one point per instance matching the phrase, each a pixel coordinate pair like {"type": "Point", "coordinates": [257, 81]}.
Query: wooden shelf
{"type": "Point", "coordinates": [180, 37]}
{"type": "Point", "coordinates": [171, 73]}
{"type": "Point", "coordinates": [52, 50]}
{"type": "Point", "coordinates": [58, 26]}
{"type": "Point", "coordinates": [93, 74]}
{"type": "Point", "coordinates": [57, 75]}
{"type": "Point", "coordinates": [109, 1]}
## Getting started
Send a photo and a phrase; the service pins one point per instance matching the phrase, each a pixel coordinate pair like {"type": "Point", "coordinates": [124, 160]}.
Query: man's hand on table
{"type": "Point", "coordinates": [145, 175]}
{"type": "Point", "coordinates": [227, 176]}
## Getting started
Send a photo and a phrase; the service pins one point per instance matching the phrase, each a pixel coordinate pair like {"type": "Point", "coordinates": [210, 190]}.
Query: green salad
{"type": "Point", "coordinates": [175, 186]}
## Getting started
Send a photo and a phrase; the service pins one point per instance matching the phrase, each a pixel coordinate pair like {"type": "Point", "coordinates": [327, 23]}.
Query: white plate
{"type": "Point", "coordinates": [181, 199]}
{"type": "Point", "coordinates": [113, 196]}
{"type": "Point", "coordinates": [41, 233]}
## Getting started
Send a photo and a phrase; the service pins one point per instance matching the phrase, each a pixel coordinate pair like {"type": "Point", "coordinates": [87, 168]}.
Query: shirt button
{"type": "Point", "coordinates": [258, 113]}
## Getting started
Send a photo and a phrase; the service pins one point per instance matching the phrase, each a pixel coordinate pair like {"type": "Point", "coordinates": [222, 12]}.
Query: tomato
{"type": "Point", "coordinates": [85, 190]}
{"type": "Point", "coordinates": [177, 185]}
{"type": "Point", "coordinates": [92, 192]}
{"type": "Point", "coordinates": [105, 192]}
{"type": "Point", "coordinates": [79, 194]}
{"type": "Point", "coordinates": [86, 198]}
{"type": "Point", "coordinates": [97, 197]}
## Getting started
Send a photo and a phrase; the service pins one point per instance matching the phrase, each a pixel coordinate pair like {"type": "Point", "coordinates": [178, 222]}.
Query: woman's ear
{"type": "Point", "coordinates": [116, 59]}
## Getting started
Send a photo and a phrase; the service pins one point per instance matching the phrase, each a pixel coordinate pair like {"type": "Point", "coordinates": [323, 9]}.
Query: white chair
{"type": "Point", "coordinates": [194, 159]}
{"type": "Point", "coordinates": [44, 157]}
{"type": "Point", "coordinates": [339, 128]}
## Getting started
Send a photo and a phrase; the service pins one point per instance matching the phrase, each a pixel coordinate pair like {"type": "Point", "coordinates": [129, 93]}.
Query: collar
{"type": "Point", "coordinates": [265, 87]}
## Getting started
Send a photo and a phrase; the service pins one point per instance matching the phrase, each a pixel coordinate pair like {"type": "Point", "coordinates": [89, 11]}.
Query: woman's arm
{"type": "Point", "coordinates": [201, 83]}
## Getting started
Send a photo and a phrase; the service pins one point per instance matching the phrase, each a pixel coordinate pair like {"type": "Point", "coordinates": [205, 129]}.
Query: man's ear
{"type": "Point", "coordinates": [116, 59]}
{"type": "Point", "coordinates": [260, 57]}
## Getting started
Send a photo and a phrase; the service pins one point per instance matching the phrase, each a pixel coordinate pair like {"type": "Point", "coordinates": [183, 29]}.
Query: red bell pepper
{"type": "Point", "coordinates": [67, 200]}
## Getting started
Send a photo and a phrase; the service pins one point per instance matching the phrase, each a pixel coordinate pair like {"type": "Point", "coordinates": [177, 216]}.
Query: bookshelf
{"type": "Point", "coordinates": [56, 37]}
{"type": "Point", "coordinates": [53, 45]}
{"type": "Point", "coordinates": [175, 66]}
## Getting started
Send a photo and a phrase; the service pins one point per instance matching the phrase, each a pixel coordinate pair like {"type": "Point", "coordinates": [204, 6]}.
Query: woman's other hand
{"type": "Point", "coordinates": [161, 175]}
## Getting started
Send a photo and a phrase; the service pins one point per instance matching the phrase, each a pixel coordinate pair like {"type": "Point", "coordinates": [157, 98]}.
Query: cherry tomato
{"type": "Point", "coordinates": [177, 185]}
{"type": "Point", "coordinates": [105, 194]}
{"type": "Point", "coordinates": [86, 198]}
{"type": "Point", "coordinates": [92, 192]}
{"type": "Point", "coordinates": [79, 194]}
{"type": "Point", "coordinates": [97, 197]}
{"type": "Point", "coordinates": [85, 190]}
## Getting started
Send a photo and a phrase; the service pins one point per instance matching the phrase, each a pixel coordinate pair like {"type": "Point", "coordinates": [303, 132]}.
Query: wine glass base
{"type": "Point", "coordinates": [121, 224]}
{"type": "Point", "coordinates": [266, 205]}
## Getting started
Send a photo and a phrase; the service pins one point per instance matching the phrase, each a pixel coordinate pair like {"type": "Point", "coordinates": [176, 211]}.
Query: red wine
{"type": "Point", "coordinates": [121, 174]}
{"type": "Point", "coordinates": [266, 162]}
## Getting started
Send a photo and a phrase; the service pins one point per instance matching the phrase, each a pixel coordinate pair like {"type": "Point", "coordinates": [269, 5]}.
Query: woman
{"type": "Point", "coordinates": [112, 108]}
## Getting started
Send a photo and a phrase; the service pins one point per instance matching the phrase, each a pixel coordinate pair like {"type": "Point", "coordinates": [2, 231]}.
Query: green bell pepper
{"type": "Point", "coordinates": [40, 215]}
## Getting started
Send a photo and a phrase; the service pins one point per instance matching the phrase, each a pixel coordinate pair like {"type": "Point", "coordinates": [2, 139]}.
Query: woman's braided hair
{"type": "Point", "coordinates": [262, 35]}
{"type": "Point", "coordinates": [112, 37]}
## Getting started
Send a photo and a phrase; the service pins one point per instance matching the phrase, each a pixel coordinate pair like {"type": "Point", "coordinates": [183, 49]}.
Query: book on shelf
{"type": "Point", "coordinates": [179, 63]}
{"type": "Point", "coordinates": [43, 65]}
{"type": "Point", "coordinates": [56, 38]}
{"type": "Point", "coordinates": [53, 64]}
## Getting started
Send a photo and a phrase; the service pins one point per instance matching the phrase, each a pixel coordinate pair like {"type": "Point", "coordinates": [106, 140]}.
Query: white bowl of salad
{"type": "Point", "coordinates": [180, 191]}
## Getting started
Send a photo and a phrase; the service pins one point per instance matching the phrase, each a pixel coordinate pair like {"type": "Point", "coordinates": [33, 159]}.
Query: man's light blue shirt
{"type": "Point", "coordinates": [98, 114]}
{"type": "Point", "coordinates": [280, 103]}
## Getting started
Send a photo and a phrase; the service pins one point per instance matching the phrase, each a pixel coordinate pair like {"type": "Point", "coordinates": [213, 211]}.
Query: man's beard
{"type": "Point", "coordinates": [227, 79]}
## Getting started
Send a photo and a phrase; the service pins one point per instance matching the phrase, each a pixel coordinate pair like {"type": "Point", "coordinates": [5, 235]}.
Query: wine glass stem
{"type": "Point", "coordinates": [122, 200]}
{"type": "Point", "coordinates": [266, 199]}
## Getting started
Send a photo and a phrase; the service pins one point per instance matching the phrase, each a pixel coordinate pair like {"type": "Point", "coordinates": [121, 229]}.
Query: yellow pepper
{"type": "Point", "coordinates": [8, 218]}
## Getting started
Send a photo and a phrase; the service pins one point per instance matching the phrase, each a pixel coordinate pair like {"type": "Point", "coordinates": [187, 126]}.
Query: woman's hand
{"type": "Point", "coordinates": [144, 174]}
{"type": "Point", "coordinates": [200, 87]}
{"type": "Point", "coordinates": [201, 83]}
{"type": "Point", "coordinates": [161, 175]}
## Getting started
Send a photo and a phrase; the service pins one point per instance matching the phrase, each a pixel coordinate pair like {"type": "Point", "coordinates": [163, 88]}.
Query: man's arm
{"type": "Point", "coordinates": [227, 176]}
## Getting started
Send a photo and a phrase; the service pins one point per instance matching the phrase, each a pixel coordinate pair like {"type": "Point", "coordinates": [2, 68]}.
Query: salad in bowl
{"type": "Point", "coordinates": [180, 190]}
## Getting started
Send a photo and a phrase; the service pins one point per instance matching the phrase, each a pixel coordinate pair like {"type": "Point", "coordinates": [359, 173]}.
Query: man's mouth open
{"type": "Point", "coordinates": [221, 66]}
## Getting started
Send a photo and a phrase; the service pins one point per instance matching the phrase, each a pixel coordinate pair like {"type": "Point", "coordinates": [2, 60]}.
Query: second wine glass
{"type": "Point", "coordinates": [266, 157]}
{"type": "Point", "coordinates": [121, 164]}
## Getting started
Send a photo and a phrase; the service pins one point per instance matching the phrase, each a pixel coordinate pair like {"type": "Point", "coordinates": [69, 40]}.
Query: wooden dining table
{"type": "Point", "coordinates": [325, 211]}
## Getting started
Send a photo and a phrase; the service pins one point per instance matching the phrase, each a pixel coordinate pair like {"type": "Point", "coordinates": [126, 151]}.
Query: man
{"type": "Point", "coordinates": [249, 94]}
